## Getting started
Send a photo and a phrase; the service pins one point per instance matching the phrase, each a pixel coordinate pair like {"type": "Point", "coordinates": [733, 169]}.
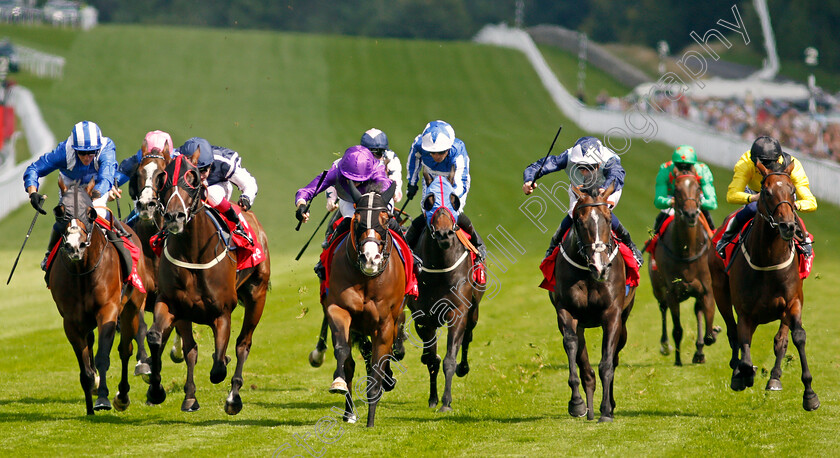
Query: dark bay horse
{"type": "Point", "coordinates": [86, 285]}
{"type": "Point", "coordinates": [590, 292]}
{"type": "Point", "coordinates": [448, 295]}
{"type": "Point", "coordinates": [198, 283]}
{"type": "Point", "coordinates": [763, 285]}
{"type": "Point", "coordinates": [679, 270]}
{"type": "Point", "coordinates": [365, 298]}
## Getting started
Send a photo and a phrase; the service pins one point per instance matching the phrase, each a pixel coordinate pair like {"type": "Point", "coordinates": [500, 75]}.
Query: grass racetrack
{"type": "Point", "coordinates": [288, 103]}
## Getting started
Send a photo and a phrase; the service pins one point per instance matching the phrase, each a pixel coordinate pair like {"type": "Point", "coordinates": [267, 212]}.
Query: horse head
{"type": "Point", "coordinates": [141, 187]}
{"type": "Point", "coordinates": [591, 223]}
{"type": "Point", "coordinates": [777, 199]}
{"type": "Point", "coordinates": [75, 214]}
{"type": "Point", "coordinates": [687, 197]}
{"type": "Point", "coordinates": [370, 229]}
{"type": "Point", "coordinates": [440, 207]}
{"type": "Point", "coordinates": [181, 189]}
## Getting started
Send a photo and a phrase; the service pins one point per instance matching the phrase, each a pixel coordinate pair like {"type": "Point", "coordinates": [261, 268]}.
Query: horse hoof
{"type": "Point", "coordinates": [709, 339]}
{"type": "Point", "coordinates": [233, 406]}
{"type": "Point", "coordinates": [699, 358]}
{"type": "Point", "coordinates": [462, 369]}
{"type": "Point", "coordinates": [350, 418]}
{"type": "Point", "coordinates": [102, 404]}
{"type": "Point", "coordinates": [218, 373]}
{"type": "Point", "coordinates": [176, 354]}
{"type": "Point", "coordinates": [190, 405]}
{"type": "Point", "coordinates": [774, 384]}
{"type": "Point", "coordinates": [678, 361]}
{"type": "Point", "coordinates": [664, 349]}
{"type": "Point", "coordinates": [577, 409]}
{"type": "Point", "coordinates": [119, 405]}
{"type": "Point", "coordinates": [388, 384]}
{"type": "Point", "coordinates": [605, 419]}
{"type": "Point", "coordinates": [445, 409]}
{"type": "Point", "coordinates": [142, 369]}
{"type": "Point", "coordinates": [810, 402]}
{"type": "Point", "coordinates": [737, 383]}
{"type": "Point", "coordinates": [433, 403]}
{"type": "Point", "coordinates": [399, 353]}
{"type": "Point", "coordinates": [339, 386]}
{"type": "Point", "coordinates": [316, 358]}
{"type": "Point", "coordinates": [146, 378]}
{"type": "Point", "coordinates": [155, 396]}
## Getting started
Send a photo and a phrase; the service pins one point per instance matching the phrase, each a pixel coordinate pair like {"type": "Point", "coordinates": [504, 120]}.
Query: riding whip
{"type": "Point", "coordinates": [311, 237]}
{"type": "Point", "coordinates": [306, 206]}
{"type": "Point", "coordinates": [117, 197]}
{"type": "Point", "coordinates": [536, 175]}
{"type": "Point", "coordinates": [24, 244]}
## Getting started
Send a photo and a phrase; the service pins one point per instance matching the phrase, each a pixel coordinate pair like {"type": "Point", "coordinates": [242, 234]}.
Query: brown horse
{"type": "Point", "coordinates": [763, 285]}
{"type": "Point", "coordinates": [86, 285]}
{"type": "Point", "coordinates": [448, 295]}
{"type": "Point", "coordinates": [198, 283]}
{"type": "Point", "coordinates": [590, 292]}
{"type": "Point", "coordinates": [679, 271]}
{"type": "Point", "coordinates": [365, 298]}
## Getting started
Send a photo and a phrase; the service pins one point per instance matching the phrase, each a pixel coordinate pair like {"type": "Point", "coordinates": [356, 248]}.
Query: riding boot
{"type": "Point", "coordinates": [394, 225]}
{"type": "Point", "coordinates": [54, 236]}
{"type": "Point", "coordinates": [660, 218]}
{"type": "Point", "coordinates": [465, 224]}
{"type": "Point", "coordinates": [330, 230]}
{"type": "Point", "coordinates": [732, 229]}
{"type": "Point", "coordinates": [320, 271]}
{"type": "Point", "coordinates": [565, 225]}
{"type": "Point", "coordinates": [624, 237]}
{"type": "Point", "coordinates": [233, 217]}
{"type": "Point", "coordinates": [412, 237]}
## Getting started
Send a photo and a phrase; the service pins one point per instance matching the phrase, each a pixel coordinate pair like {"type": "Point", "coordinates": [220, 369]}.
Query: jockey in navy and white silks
{"type": "Point", "coordinates": [86, 155]}
{"type": "Point", "coordinates": [437, 152]}
{"type": "Point", "coordinates": [220, 169]}
{"type": "Point", "coordinates": [588, 164]}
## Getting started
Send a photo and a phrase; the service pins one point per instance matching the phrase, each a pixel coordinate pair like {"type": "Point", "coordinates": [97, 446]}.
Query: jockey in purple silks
{"type": "Point", "coordinates": [356, 173]}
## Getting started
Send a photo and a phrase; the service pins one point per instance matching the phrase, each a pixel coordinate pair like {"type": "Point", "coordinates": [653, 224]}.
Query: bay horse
{"type": "Point", "coordinates": [86, 285]}
{"type": "Point", "coordinates": [448, 296]}
{"type": "Point", "coordinates": [364, 299]}
{"type": "Point", "coordinates": [763, 284]}
{"type": "Point", "coordinates": [679, 270]}
{"type": "Point", "coordinates": [590, 292]}
{"type": "Point", "coordinates": [198, 283]}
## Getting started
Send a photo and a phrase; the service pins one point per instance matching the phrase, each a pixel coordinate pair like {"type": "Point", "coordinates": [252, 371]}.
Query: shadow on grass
{"type": "Point", "coordinates": [119, 419]}
{"type": "Point", "coordinates": [42, 401]}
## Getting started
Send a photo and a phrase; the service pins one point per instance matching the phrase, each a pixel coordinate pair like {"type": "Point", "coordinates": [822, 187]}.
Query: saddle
{"type": "Point", "coordinates": [805, 262]}
{"type": "Point", "coordinates": [631, 268]}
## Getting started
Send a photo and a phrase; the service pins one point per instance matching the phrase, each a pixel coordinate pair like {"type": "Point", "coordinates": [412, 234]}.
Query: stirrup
{"type": "Point", "coordinates": [239, 230]}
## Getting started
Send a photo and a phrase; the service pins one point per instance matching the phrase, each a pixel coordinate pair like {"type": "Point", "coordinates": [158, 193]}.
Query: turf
{"type": "Point", "coordinates": [288, 103]}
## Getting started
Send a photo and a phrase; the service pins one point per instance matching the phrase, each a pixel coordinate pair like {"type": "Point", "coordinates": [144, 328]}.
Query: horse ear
{"type": "Point", "coordinates": [456, 202]}
{"type": "Point", "coordinates": [789, 168]}
{"type": "Point", "coordinates": [761, 168]}
{"type": "Point", "coordinates": [452, 176]}
{"type": "Point", "coordinates": [59, 211]}
{"type": "Point", "coordinates": [195, 155]}
{"type": "Point", "coordinates": [429, 202]}
{"type": "Point", "coordinates": [90, 185]}
{"type": "Point", "coordinates": [576, 190]}
{"type": "Point", "coordinates": [144, 148]}
{"type": "Point", "coordinates": [608, 192]}
{"type": "Point", "coordinates": [160, 181]}
{"type": "Point", "coordinates": [61, 186]}
{"type": "Point", "coordinates": [92, 214]}
{"type": "Point", "coordinates": [427, 178]}
{"type": "Point", "coordinates": [167, 152]}
{"type": "Point", "coordinates": [388, 194]}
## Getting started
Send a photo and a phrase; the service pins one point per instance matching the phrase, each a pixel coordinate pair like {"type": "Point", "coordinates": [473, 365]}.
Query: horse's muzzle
{"type": "Point", "coordinates": [444, 238]}
{"type": "Point", "coordinates": [146, 210]}
{"type": "Point", "coordinates": [787, 230]}
{"type": "Point", "coordinates": [175, 222]}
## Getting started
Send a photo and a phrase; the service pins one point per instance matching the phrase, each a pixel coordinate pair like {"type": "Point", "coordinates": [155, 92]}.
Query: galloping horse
{"type": "Point", "coordinates": [86, 285]}
{"type": "Point", "coordinates": [590, 292]}
{"type": "Point", "coordinates": [198, 283]}
{"type": "Point", "coordinates": [448, 293]}
{"type": "Point", "coordinates": [764, 285]}
{"type": "Point", "coordinates": [678, 269]}
{"type": "Point", "coordinates": [365, 298]}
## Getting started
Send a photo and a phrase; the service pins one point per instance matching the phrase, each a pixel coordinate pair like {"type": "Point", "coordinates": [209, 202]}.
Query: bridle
{"type": "Point", "coordinates": [75, 229]}
{"type": "Point", "coordinates": [149, 184]}
{"type": "Point", "coordinates": [678, 209]}
{"type": "Point", "coordinates": [194, 192]}
{"type": "Point", "coordinates": [597, 247]}
{"type": "Point", "coordinates": [763, 197]}
{"type": "Point", "coordinates": [384, 243]}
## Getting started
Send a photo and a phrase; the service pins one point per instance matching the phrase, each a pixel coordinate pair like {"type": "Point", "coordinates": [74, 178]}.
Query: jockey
{"type": "Point", "coordinates": [682, 160]}
{"type": "Point", "coordinates": [84, 156]}
{"type": "Point", "coordinates": [219, 167]}
{"type": "Point", "coordinates": [588, 162]}
{"type": "Point", "coordinates": [437, 152]}
{"type": "Point", "coordinates": [356, 173]}
{"type": "Point", "coordinates": [155, 139]}
{"type": "Point", "coordinates": [768, 151]}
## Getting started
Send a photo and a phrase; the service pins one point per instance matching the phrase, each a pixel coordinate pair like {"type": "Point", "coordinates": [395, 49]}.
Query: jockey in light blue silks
{"type": "Point", "coordinates": [437, 152]}
{"type": "Point", "coordinates": [588, 163]}
{"type": "Point", "coordinates": [85, 155]}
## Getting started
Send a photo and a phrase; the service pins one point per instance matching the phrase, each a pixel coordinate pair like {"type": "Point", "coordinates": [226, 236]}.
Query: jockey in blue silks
{"type": "Point", "coordinates": [86, 155]}
{"type": "Point", "coordinates": [588, 163]}
{"type": "Point", "coordinates": [437, 152]}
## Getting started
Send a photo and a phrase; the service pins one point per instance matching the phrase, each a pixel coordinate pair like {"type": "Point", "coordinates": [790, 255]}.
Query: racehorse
{"type": "Point", "coordinates": [590, 292]}
{"type": "Point", "coordinates": [764, 285]}
{"type": "Point", "coordinates": [678, 270]}
{"type": "Point", "coordinates": [447, 292]}
{"type": "Point", "coordinates": [198, 283]}
{"type": "Point", "coordinates": [365, 298]}
{"type": "Point", "coordinates": [86, 285]}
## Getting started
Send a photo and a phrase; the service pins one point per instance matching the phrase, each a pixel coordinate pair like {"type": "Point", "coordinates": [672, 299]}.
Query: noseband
{"type": "Point", "coordinates": [193, 192]}
{"type": "Point", "coordinates": [763, 196]}
{"type": "Point", "coordinates": [384, 243]}
{"type": "Point", "coordinates": [597, 247]}
{"type": "Point", "coordinates": [156, 203]}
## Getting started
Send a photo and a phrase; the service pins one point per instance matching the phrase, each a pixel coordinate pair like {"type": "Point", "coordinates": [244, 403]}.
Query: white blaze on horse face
{"type": "Point", "coordinates": [147, 195]}
{"type": "Point", "coordinates": [597, 258]}
{"type": "Point", "coordinates": [73, 239]}
{"type": "Point", "coordinates": [373, 258]}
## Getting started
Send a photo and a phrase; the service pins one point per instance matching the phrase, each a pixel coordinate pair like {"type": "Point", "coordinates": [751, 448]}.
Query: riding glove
{"type": "Point", "coordinates": [411, 190]}
{"type": "Point", "coordinates": [244, 203]}
{"type": "Point", "coordinates": [301, 210]}
{"type": "Point", "coordinates": [36, 200]}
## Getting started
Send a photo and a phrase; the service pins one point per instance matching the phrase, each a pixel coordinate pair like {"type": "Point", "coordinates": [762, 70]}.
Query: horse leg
{"type": "Point", "coordinates": [677, 333]}
{"type": "Point", "coordinates": [339, 322]}
{"type": "Point", "coordinates": [142, 367]}
{"type": "Point", "coordinates": [699, 342]}
{"type": "Point", "coordinates": [606, 368]}
{"type": "Point", "coordinates": [190, 348]}
{"type": "Point", "coordinates": [221, 334]}
{"type": "Point", "coordinates": [316, 356]}
{"type": "Point", "coordinates": [587, 374]}
{"type": "Point", "coordinates": [810, 401]}
{"type": "Point", "coordinates": [430, 358]}
{"type": "Point", "coordinates": [399, 338]}
{"type": "Point", "coordinates": [106, 321]}
{"type": "Point", "coordinates": [349, 415]}
{"type": "Point", "coordinates": [708, 304]}
{"type": "Point", "coordinates": [780, 343]}
{"type": "Point", "coordinates": [82, 351]}
{"type": "Point", "coordinates": [743, 376]}
{"type": "Point", "coordinates": [453, 344]}
{"type": "Point", "coordinates": [129, 321]}
{"type": "Point", "coordinates": [176, 353]}
{"type": "Point", "coordinates": [664, 345]}
{"type": "Point", "coordinates": [472, 319]}
{"type": "Point", "coordinates": [720, 288]}
{"type": "Point", "coordinates": [253, 313]}
{"type": "Point", "coordinates": [382, 342]}
{"type": "Point", "coordinates": [567, 325]}
{"type": "Point", "coordinates": [156, 338]}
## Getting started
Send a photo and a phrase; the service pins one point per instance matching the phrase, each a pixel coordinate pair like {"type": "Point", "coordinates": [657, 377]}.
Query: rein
{"type": "Point", "coordinates": [385, 244]}
{"type": "Point", "coordinates": [773, 225]}
{"type": "Point", "coordinates": [86, 244]}
{"type": "Point", "coordinates": [597, 248]}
